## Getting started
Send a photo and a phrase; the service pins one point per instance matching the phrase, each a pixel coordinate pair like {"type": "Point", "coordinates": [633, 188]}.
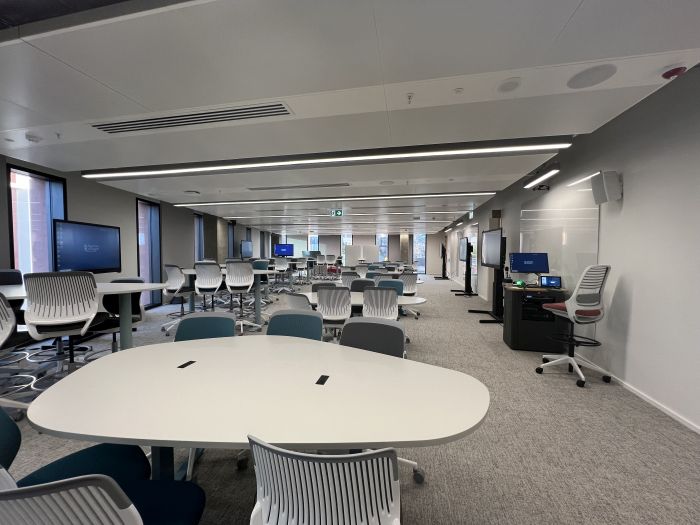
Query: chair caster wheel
{"type": "Point", "coordinates": [538, 369]}
{"type": "Point", "coordinates": [418, 475]}
{"type": "Point", "coordinates": [545, 360]}
{"type": "Point", "coordinates": [607, 379]}
{"type": "Point", "coordinates": [418, 315]}
{"type": "Point", "coordinates": [167, 334]}
{"type": "Point", "coordinates": [162, 329]}
{"type": "Point", "coordinates": [580, 383]}
{"type": "Point", "coordinates": [242, 464]}
{"type": "Point", "coordinates": [408, 340]}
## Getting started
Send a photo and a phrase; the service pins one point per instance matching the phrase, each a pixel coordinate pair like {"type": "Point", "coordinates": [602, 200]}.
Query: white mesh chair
{"type": "Point", "coordinates": [382, 303]}
{"type": "Point", "coordinates": [361, 269]}
{"type": "Point", "coordinates": [308, 489]}
{"type": "Point", "coordinates": [320, 265]}
{"type": "Point", "coordinates": [585, 306]}
{"type": "Point", "coordinates": [239, 280]}
{"type": "Point", "coordinates": [13, 379]}
{"type": "Point", "coordinates": [281, 270]}
{"type": "Point", "coordinates": [348, 277]}
{"type": "Point", "coordinates": [97, 499]}
{"type": "Point", "coordinates": [59, 304]}
{"type": "Point", "coordinates": [207, 281]}
{"type": "Point", "coordinates": [298, 301]}
{"type": "Point", "coordinates": [410, 288]}
{"type": "Point", "coordinates": [335, 305]}
{"type": "Point", "coordinates": [175, 287]}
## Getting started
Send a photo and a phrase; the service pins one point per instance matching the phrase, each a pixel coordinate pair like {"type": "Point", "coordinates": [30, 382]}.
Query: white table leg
{"type": "Point", "coordinates": [125, 339]}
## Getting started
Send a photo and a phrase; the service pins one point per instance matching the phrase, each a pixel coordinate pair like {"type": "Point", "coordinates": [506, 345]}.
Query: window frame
{"type": "Point", "coordinates": [160, 248]}
{"type": "Point", "coordinates": [8, 168]}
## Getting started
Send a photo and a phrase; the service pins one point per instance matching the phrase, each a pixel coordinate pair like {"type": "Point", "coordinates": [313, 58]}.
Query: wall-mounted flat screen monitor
{"type": "Point", "coordinates": [491, 248]}
{"type": "Point", "coordinates": [463, 248]}
{"type": "Point", "coordinates": [529, 263]}
{"type": "Point", "coordinates": [80, 246]}
{"type": "Point", "coordinates": [284, 250]}
{"type": "Point", "coordinates": [246, 249]}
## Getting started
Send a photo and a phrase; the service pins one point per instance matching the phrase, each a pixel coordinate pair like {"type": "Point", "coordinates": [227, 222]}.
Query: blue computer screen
{"type": "Point", "coordinates": [284, 250]}
{"type": "Point", "coordinates": [86, 247]}
{"type": "Point", "coordinates": [529, 263]}
{"type": "Point", "coordinates": [246, 248]}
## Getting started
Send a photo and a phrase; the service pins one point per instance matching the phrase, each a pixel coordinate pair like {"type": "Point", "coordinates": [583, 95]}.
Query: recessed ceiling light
{"type": "Point", "coordinates": [510, 84]}
{"type": "Point", "coordinates": [460, 223]}
{"type": "Point", "coordinates": [448, 229]}
{"type": "Point", "coordinates": [476, 149]}
{"type": "Point", "coordinates": [192, 192]}
{"type": "Point", "coordinates": [579, 181]}
{"type": "Point", "coordinates": [550, 173]}
{"type": "Point", "coordinates": [386, 182]}
{"type": "Point", "coordinates": [338, 199]}
{"type": "Point", "coordinates": [592, 76]}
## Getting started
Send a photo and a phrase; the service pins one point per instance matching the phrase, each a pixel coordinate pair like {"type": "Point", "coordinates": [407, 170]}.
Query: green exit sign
{"type": "Point", "coordinates": [336, 213]}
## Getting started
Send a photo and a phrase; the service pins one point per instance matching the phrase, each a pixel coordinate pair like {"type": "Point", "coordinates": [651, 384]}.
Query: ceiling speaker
{"type": "Point", "coordinates": [607, 187]}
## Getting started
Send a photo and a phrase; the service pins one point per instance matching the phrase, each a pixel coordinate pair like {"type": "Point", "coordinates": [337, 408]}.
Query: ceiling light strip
{"type": "Point", "coordinates": [584, 179]}
{"type": "Point", "coordinates": [363, 156]}
{"type": "Point", "coordinates": [346, 215]}
{"type": "Point", "coordinates": [550, 173]}
{"type": "Point", "coordinates": [338, 199]}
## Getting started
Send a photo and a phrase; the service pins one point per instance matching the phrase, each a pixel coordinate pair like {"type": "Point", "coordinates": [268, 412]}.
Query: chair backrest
{"type": "Point", "coordinates": [359, 285]}
{"type": "Point", "coordinates": [373, 267]}
{"type": "Point", "coordinates": [12, 276]}
{"type": "Point", "coordinates": [110, 302]}
{"type": "Point", "coordinates": [320, 259]}
{"type": "Point", "coordinates": [260, 264]}
{"type": "Point", "coordinates": [10, 440]}
{"type": "Point", "coordinates": [586, 303]}
{"type": "Point", "coordinates": [330, 259]}
{"type": "Point", "coordinates": [380, 302]}
{"type": "Point", "coordinates": [365, 486]}
{"type": "Point", "coordinates": [296, 323]}
{"type": "Point", "coordinates": [84, 500]}
{"type": "Point", "coordinates": [60, 298]}
{"type": "Point", "coordinates": [7, 320]}
{"type": "Point", "coordinates": [281, 264]}
{"type": "Point", "coordinates": [348, 277]}
{"type": "Point", "coordinates": [371, 274]}
{"type": "Point", "coordinates": [208, 276]}
{"type": "Point", "coordinates": [395, 284]}
{"type": "Point", "coordinates": [175, 280]}
{"type": "Point", "coordinates": [239, 275]}
{"type": "Point", "coordinates": [298, 301]}
{"type": "Point", "coordinates": [410, 283]}
{"type": "Point", "coordinates": [316, 286]}
{"type": "Point", "coordinates": [206, 325]}
{"type": "Point", "coordinates": [383, 336]}
{"type": "Point", "coordinates": [334, 302]}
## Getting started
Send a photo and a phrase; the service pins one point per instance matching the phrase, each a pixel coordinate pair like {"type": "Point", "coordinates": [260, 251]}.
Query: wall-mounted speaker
{"type": "Point", "coordinates": [607, 187]}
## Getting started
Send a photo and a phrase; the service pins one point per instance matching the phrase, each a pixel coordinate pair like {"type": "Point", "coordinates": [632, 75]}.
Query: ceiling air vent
{"type": "Point", "coordinates": [274, 109]}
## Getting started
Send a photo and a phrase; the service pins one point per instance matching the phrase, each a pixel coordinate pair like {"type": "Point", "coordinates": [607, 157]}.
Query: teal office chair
{"type": "Point", "coordinates": [100, 484]}
{"type": "Point", "coordinates": [297, 323]}
{"type": "Point", "coordinates": [206, 325]}
{"type": "Point", "coordinates": [396, 284]}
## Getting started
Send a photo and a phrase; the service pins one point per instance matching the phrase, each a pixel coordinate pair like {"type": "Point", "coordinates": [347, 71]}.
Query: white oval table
{"type": "Point", "coordinates": [213, 393]}
{"type": "Point", "coordinates": [123, 290]}
{"type": "Point", "coordinates": [356, 299]}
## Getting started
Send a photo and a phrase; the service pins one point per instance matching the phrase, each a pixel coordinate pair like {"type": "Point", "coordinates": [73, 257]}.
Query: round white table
{"type": "Point", "coordinates": [123, 290]}
{"type": "Point", "coordinates": [213, 393]}
{"type": "Point", "coordinates": [356, 299]}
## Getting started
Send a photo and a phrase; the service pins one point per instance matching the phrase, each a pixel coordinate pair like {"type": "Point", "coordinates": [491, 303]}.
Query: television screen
{"type": "Point", "coordinates": [246, 248]}
{"type": "Point", "coordinates": [463, 248]}
{"type": "Point", "coordinates": [284, 250]}
{"type": "Point", "coordinates": [529, 263]}
{"type": "Point", "coordinates": [491, 254]}
{"type": "Point", "coordinates": [86, 247]}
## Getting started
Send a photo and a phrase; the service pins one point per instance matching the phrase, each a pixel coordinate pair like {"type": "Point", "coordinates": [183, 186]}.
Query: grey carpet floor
{"type": "Point", "coordinates": [548, 452]}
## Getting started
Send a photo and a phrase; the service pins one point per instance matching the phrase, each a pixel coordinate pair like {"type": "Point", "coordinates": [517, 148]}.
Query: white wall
{"type": "Point", "coordinates": [650, 332]}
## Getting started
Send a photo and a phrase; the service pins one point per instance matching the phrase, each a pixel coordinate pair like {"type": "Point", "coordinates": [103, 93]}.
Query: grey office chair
{"type": "Point", "coordinates": [348, 277]}
{"type": "Point", "coordinates": [298, 301]}
{"type": "Point", "coordinates": [315, 286]}
{"type": "Point", "coordinates": [382, 336]}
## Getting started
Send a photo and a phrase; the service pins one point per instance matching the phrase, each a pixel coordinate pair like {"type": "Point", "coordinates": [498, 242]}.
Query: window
{"type": "Point", "coordinates": [35, 201]}
{"type": "Point", "coordinates": [345, 239]}
{"type": "Point", "coordinates": [313, 243]}
{"type": "Point", "coordinates": [383, 246]}
{"type": "Point", "coordinates": [419, 251]}
{"type": "Point", "coordinates": [231, 241]}
{"type": "Point", "coordinates": [198, 237]}
{"type": "Point", "coordinates": [148, 248]}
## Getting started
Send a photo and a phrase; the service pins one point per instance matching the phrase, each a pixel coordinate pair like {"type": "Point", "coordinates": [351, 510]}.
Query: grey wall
{"type": "Point", "coordinates": [650, 332]}
{"type": "Point", "coordinates": [432, 253]}
{"type": "Point", "coordinates": [394, 251]}
{"type": "Point", "coordinates": [329, 244]}
{"type": "Point", "coordinates": [364, 240]}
